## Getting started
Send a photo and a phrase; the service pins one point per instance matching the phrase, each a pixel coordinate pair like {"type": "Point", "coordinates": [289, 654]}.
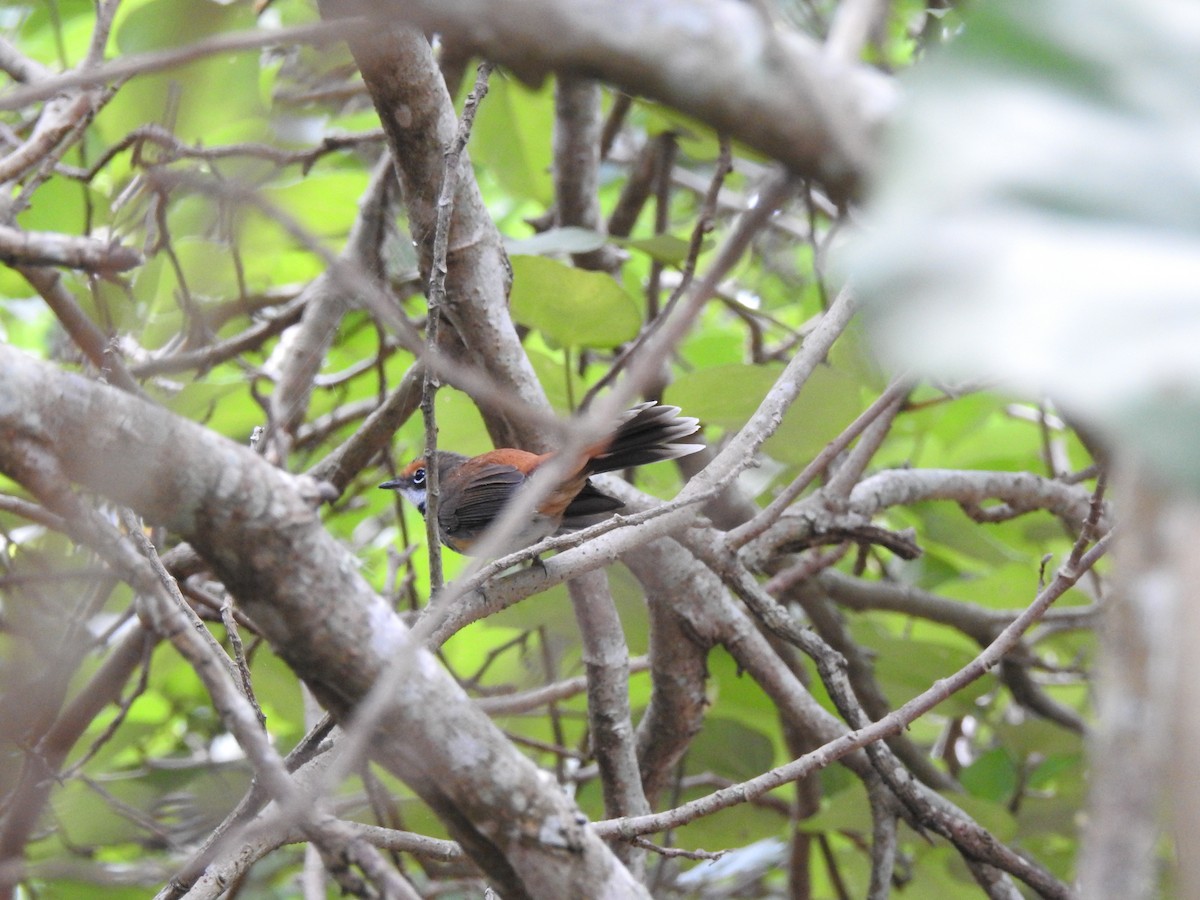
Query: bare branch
{"type": "Point", "coordinates": [159, 60]}
{"type": "Point", "coordinates": [775, 90]}
{"type": "Point", "coordinates": [890, 724]}
{"type": "Point", "coordinates": [43, 248]}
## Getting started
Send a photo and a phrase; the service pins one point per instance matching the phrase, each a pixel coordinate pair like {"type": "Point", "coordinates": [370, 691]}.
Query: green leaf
{"type": "Point", "coordinates": [318, 199]}
{"type": "Point", "coordinates": [509, 138]}
{"type": "Point", "coordinates": [948, 525]}
{"type": "Point", "coordinates": [732, 748]}
{"type": "Point", "coordinates": [572, 306]}
{"type": "Point", "coordinates": [992, 776]}
{"type": "Point", "coordinates": [55, 206]}
{"type": "Point", "coordinates": [906, 668]}
{"type": "Point", "coordinates": [195, 99]}
{"type": "Point", "coordinates": [665, 248]}
{"type": "Point", "coordinates": [725, 396]}
{"type": "Point", "coordinates": [995, 817]}
{"type": "Point", "coordinates": [1038, 736]}
{"type": "Point", "coordinates": [208, 267]}
{"type": "Point", "coordinates": [1009, 586]}
{"type": "Point", "coordinates": [829, 401]}
{"type": "Point", "coordinates": [695, 139]}
{"type": "Point", "coordinates": [845, 810]}
{"type": "Point", "coordinates": [151, 708]}
{"type": "Point", "coordinates": [571, 239]}
{"type": "Point", "coordinates": [1036, 221]}
{"type": "Point", "coordinates": [38, 38]}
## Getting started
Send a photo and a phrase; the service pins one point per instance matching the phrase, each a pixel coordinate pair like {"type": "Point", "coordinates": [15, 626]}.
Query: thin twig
{"type": "Point", "coordinates": [854, 740]}
{"type": "Point", "coordinates": [239, 658]}
{"type": "Point", "coordinates": [158, 60]}
{"type": "Point", "coordinates": [742, 535]}
{"type": "Point", "coordinates": [437, 302]}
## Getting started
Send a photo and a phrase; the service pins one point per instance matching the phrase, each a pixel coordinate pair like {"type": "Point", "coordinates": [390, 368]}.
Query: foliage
{"type": "Point", "coordinates": [1078, 280]}
{"type": "Point", "coordinates": [240, 177]}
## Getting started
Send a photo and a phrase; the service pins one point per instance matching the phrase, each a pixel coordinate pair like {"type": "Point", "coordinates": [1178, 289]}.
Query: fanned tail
{"type": "Point", "coordinates": [649, 433]}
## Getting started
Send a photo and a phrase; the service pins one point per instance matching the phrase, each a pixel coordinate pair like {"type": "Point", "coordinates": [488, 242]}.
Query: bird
{"type": "Point", "coordinates": [475, 490]}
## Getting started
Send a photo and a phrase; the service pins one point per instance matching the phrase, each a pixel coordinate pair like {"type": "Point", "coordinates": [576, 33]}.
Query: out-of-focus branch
{"type": "Point", "coordinates": [158, 60]}
{"type": "Point", "coordinates": [577, 126]}
{"type": "Point", "coordinates": [45, 248]}
{"type": "Point", "coordinates": [675, 713]}
{"type": "Point", "coordinates": [83, 331]}
{"type": "Point", "coordinates": [774, 89]}
{"type": "Point", "coordinates": [324, 302]}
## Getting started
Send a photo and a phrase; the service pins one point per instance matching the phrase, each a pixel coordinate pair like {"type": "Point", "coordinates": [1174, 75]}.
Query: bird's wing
{"type": "Point", "coordinates": [491, 487]}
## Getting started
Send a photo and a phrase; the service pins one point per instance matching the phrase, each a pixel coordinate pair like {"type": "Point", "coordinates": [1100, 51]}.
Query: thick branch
{"type": "Point", "coordinates": [46, 248]}
{"type": "Point", "coordinates": [776, 90]}
{"type": "Point", "coordinates": [266, 543]}
{"type": "Point", "coordinates": [418, 117]}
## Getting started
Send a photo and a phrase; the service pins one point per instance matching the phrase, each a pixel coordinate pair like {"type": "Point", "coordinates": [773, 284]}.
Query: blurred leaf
{"type": "Point", "coordinates": [55, 206]}
{"type": "Point", "coordinates": [906, 668]}
{"type": "Point", "coordinates": [571, 239]}
{"type": "Point", "coordinates": [725, 396]}
{"type": "Point", "coordinates": [1008, 586]}
{"type": "Point", "coordinates": [208, 266]}
{"type": "Point", "coordinates": [829, 401]}
{"type": "Point", "coordinates": [509, 137]}
{"type": "Point", "coordinates": [695, 138]}
{"type": "Point", "coordinates": [846, 810]}
{"type": "Point", "coordinates": [194, 99]}
{"type": "Point", "coordinates": [318, 199]}
{"type": "Point", "coordinates": [1038, 736]}
{"type": "Point", "coordinates": [1054, 771]}
{"type": "Point", "coordinates": [713, 347]}
{"type": "Point", "coordinates": [731, 748]}
{"type": "Point", "coordinates": [992, 776]}
{"type": "Point", "coordinates": [1036, 220]}
{"type": "Point", "coordinates": [948, 525]}
{"type": "Point", "coordinates": [995, 817]}
{"type": "Point", "coordinates": [572, 306]}
{"type": "Point", "coordinates": [71, 19]}
{"type": "Point", "coordinates": [150, 708]}
{"type": "Point", "coordinates": [665, 248]}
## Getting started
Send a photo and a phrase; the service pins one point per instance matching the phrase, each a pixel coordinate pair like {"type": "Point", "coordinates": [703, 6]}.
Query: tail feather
{"type": "Point", "coordinates": [649, 433]}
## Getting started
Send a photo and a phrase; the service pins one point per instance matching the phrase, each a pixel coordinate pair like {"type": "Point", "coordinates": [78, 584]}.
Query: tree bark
{"type": "Point", "coordinates": [264, 540]}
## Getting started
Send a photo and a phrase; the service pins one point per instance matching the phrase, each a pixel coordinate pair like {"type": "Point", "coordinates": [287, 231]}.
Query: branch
{"type": "Point", "coordinates": [606, 656]}
{"type": "Point", "coordinates": [416, 112]}
{"type": "Point", "coordinates": [265, 542]}
{"type": "Point", "coordinates": [1021, 492]}
{"type": "Point", "coordinates": [46, 248]}
{"type": "Point", "coordinates": [577, 124]}
{"type": "Point", "coordinates": [775, 90]}
{"type": "Point", "coordinates": [159, 60]}
{"type": "Point", "coordinates": [83, 331]}
{"type": "Point", "coordinates": [890, 724]}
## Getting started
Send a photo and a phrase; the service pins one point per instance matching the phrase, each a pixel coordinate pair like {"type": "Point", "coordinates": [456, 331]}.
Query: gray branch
{"type": "Point", "coordinates": [776, 90]}
{"type": "Point", "coordinates": [266, 543]}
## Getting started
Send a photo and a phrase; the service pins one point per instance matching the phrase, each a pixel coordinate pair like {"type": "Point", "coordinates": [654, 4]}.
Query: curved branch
{"type": "Point", "coordinates": [1020, 492]}
{"type": "Point", "coordinates": [266, 543]}
{"type": "Point", "coordinates": [774, 89]}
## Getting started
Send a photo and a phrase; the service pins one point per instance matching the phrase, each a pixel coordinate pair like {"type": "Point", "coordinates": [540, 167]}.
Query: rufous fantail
{"type": "Point", "coordinates": [474, 490]}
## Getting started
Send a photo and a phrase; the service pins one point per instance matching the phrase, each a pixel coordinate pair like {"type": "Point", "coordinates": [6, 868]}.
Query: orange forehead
{"type": "Point", "coordinates": [412, 468]}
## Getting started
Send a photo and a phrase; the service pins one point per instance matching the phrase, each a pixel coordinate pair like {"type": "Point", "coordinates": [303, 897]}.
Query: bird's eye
{"type": "Point", "coordinates": [418, 476]}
